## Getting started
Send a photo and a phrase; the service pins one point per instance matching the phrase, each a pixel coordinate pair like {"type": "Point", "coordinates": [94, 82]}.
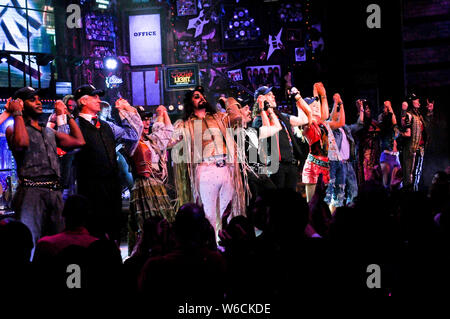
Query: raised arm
{"type": "Point", "coordinates": [75, 138]}
{"type": "Point", "coordinates": [17, 137]}
{"type": "Point", "coordinates": [274, 126]}
{"type": "Point", "coordinates": [5, 114]}
{"type": "Point", "coordinates": [319, 89]}
{"type": "Point", "coordinates": [304, 113]}
{"type": "Point", "coordinates": [162, 130]}
{"type": "Point", "coordinates": [339, 114]}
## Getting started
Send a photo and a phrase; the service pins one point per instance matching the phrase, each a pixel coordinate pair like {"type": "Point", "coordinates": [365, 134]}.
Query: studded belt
{"type": "Point", "coordinates": [46, 184]}
{"type": "Point", "coordinates": [317, 161]}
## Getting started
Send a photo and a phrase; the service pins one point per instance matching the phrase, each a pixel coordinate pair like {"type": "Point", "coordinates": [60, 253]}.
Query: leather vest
{"type": "Point", "coordinates": [142, 160]}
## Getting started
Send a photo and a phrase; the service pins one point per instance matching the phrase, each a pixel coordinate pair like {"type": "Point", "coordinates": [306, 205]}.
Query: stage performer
{"type": "Point", "coordinates": [417, 124]}
{"type": "Point", "coordinates": [249, 139]}
{"type": "Point", "coordinates": [96, 162]}
{"type": "Point", "coordinates": [343, 187]}
{"type": "Point", "coordinates": [286, 152]}
{"type": "Point", "coordinates": [389, 159]}
{"type": "Point", "coordinates": [367, 144]}
{"type": "Point", "coordinates": [208, 170]}
{"type": "Point", "coordinates": [316, 134]}
{"type": "Point", "coordinates": [38, 201]}
{"type": "Point", "coordinates": [149, 162]}
{"type": "Point", "coordinates": [58, 122]}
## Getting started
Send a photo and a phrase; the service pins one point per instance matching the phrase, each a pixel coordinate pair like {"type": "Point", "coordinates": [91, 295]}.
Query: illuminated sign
{"type": "Point", "coordinates": [102, 4]}
{"type": "Point", "coordinates": [181, 77]}
{"type": "Point", "coordinates": [113, 82]}
{"type": "Point", "coordinates": [145, 40]}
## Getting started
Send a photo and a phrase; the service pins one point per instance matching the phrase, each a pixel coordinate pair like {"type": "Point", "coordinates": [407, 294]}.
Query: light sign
{"type": "Point", "coordinates": [145, 40]}
{"type": "Point", "coordinates": [102, 4]}
{"type": "Point", "coordinates": [181, 77]}
{"type": "Point", "coordinates": [113, 82]}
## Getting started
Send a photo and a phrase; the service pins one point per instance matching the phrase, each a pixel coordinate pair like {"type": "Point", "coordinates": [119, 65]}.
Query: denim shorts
{"type": "Point", "coordinates": [391, 160]}
{"type": "Point", "coordinates": [343, 186]}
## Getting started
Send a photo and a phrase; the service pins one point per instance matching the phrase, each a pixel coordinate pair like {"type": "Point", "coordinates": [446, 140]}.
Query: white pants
{"type": "Point", "coordinates": [216, 191]}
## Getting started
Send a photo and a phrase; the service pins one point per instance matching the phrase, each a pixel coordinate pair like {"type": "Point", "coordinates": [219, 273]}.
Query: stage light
{"type": "Point", "coordinates": [111, 63]}
{"type": "Point", "coordinates": [181, 107]}
{"type": "Point", "coordinates": [171, 107]}
{"type": "Point", "coordinates": [236, 24]}
{"type": "Point", "coordinates": [9, 122]}
{"type": "Point", "coordinates": [242, 33]}
{"type": "Point", "coordinates": [4, 60]}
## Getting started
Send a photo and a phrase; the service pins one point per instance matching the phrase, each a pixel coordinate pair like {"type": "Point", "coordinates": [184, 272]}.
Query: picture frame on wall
{"type": "Point", "coordinates": [220, 57]}
{"type": "Point", "coordinates": [186, 8]}
{"type": "Point", "coordinates": [300, 54]}
{"type": "Point", "coordinates": [294, 35]}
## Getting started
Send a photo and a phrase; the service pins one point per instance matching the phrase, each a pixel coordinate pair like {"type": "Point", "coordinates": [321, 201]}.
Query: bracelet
{"type": "Point", "coordinates": [16, 113]}
{"type": "Point", "coordinates": [70, 116]}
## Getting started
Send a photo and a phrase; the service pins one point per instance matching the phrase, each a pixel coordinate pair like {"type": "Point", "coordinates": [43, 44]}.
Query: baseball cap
{"type": "Point", "coordinates": [26, 93]}
{"type": "Point", "coordinates": [87, 89]}
{"type": "Point", "coordinates": [262, 90]}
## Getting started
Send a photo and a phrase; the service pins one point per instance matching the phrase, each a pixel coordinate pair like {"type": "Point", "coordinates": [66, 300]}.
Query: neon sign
{"type": "Point", "coordinates": [181, 77]}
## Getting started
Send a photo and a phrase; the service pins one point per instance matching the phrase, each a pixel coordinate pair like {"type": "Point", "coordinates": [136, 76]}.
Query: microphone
{"type": "Point", "coordinates": [266, 105]}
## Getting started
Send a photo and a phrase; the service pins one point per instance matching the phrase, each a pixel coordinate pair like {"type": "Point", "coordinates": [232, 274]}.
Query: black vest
{"type": "Point", "coordinates": [97, 158]}
{"type": "Point", "coordinates": [288, 152]}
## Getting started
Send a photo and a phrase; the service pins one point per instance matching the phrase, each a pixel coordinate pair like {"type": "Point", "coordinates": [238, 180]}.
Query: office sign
{"type": "Point", "coordinates": [145, 39]}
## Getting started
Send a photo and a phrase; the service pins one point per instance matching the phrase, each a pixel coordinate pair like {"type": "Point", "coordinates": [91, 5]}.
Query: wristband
{"type": "Point", "coordinates": [16, 113]}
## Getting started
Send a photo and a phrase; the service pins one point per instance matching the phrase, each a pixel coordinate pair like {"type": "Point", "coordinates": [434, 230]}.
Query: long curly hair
{"type": "Point", "coordinates": [189, 105]}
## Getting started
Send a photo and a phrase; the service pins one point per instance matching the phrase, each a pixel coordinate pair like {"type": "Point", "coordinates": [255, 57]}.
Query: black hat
{"type": "Point", "coordinates": [26, 93]}
{"type": "Point", "coordinates": [143, 113]}
{"type": "Point", "coordinates": [87, 89]}
{"type": "Point", "coordinates": [412, 97]}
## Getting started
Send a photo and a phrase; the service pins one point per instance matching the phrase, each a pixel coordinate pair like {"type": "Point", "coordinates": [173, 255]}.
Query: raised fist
{"type": "Point", "coordinates": [337, 98]}
{"type": "Point", "coordinates": [319, 88]}
{"type": "Point", "coordinates": [160, 110]}
{"type": "Point", "coordinates": [123, 104]}
{"type": "Point", "coordinates": [14, 105]}
{"type": "Point", "coordinates": [60, 108]}
{"type": "Point", "coordinates": [260, 101]}
{"type": "Point", "coordinates": [295, 92]}
{"type": "Point", "coordinates": [359, 105]}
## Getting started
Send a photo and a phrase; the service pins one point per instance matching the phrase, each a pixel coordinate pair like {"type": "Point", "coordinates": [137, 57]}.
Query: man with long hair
{"type": "Point", "coordinates": [416, 124]}
{"type": "Point", "coordinates": [211, 158]}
